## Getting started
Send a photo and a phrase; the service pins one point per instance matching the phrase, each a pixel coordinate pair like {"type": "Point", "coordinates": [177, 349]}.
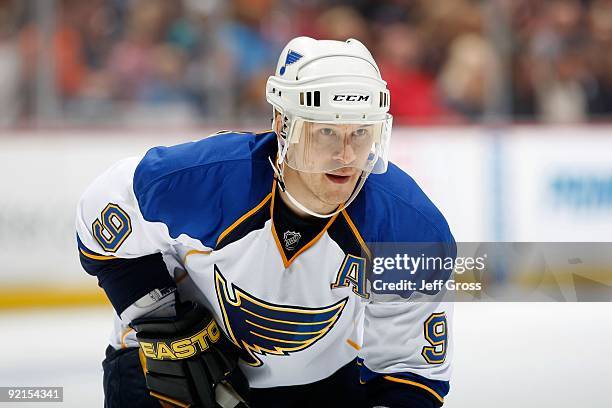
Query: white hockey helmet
{"type": "Point", "coordinates": [332, 99]}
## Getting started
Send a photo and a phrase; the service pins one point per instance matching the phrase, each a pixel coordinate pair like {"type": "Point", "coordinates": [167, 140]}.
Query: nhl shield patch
{"type": "Point", "coordinates": [291, 239]}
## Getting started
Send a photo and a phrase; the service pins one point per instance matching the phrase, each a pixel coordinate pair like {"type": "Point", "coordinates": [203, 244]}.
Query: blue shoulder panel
{"type": "Point", "coordinates": [201, 188]}
{"type": "Point", "coordinates": [393, 208]}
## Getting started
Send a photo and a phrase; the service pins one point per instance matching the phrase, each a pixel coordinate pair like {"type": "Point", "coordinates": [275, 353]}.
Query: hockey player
{"type": "Point", "coordinates": [237, 264]}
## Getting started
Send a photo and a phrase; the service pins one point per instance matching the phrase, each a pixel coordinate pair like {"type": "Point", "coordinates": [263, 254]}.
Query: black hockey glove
{"type": "Point", "coordinates": [189, 361]}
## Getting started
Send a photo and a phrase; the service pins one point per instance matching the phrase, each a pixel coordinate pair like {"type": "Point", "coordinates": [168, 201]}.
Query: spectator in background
{"type": "Point", "coordinates": [67, 49]}
{"type": "Point", "coordinates": [98, 26]}
{"type": "Point", "coordinates": [10, 64]}
{"type": "Point", "coordinates": [467, 74]}
{"type": "Point", "coordinates": [560, 90]}
{"type": "Point", "coordinates": [148, 66]}
{"type": "Point", "coordinates": [599, 58]}
{"type": "Point", "coordinates": [132, 60]}
{"type": "Point", "coordinates": [443, 21]}
{"type": "Point", "coordinates": [251, 52]}
{"type": "Point", "coordinates": [165, 86]}
{"type": "Point", "coordinates": [341, 23]}
{"type": "Point", "coordinates": [415, 96]}
{"type": "Point", "coordinates": [459, 55]}
{"type": "Point", "coordinates": [208, 59]}
{"type": "Point", "coordinates": [523, 99]}
{"type": "Point", "coordinates": [209, 74]}
{"type": "Point", "coordinates": [557, 63]}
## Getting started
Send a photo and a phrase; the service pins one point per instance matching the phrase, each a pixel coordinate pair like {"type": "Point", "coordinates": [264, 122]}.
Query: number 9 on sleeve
{"type": "Point", "coordinates": [112, 228]}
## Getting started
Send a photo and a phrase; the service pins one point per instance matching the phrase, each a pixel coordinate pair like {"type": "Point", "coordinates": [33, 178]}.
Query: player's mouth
{"type": "Point", "coordinates": [339, 178]}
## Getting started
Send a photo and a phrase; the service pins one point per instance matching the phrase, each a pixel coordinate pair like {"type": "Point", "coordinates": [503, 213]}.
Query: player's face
{"type": "Point", "coordinates": [330, 148]}
{"type": "Point", "coordinates": [343, 149]}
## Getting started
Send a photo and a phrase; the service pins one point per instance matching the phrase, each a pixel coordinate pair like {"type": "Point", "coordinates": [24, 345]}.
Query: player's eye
{"type": "Point", "coordinates": [360, 134]}
{"type": "Point", "coordinates": [327, 132]}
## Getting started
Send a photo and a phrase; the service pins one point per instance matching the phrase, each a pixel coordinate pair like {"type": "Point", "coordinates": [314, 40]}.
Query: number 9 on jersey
{"type": "Point", "coordinates": [112, 228]}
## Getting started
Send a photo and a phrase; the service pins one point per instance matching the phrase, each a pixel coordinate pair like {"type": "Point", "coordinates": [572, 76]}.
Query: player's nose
{"type": "Point", "coordinates": [345, 153]}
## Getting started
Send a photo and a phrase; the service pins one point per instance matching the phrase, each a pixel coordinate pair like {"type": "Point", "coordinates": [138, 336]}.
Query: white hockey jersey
{"type": "Point", "coordinates": [278, 287]}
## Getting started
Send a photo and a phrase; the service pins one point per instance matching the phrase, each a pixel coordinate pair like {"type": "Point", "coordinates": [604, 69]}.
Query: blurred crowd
{"type": "Point", "coordinates": [206, 61]}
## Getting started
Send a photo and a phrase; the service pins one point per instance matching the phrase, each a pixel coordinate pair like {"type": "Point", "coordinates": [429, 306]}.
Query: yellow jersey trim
{"type": "Point", "coordinates": [244, 217]}
{"type": "Point", "coordinates": [357, 234]}
{"type": "Point", "coordinates": [416, 384]}
{"type": "Point", "coordinates": [96, 257]}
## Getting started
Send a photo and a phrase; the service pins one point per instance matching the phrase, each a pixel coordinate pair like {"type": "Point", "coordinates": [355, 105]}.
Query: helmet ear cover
{"type": "Point", "coordinates": [285, 123]}
{"type": "Point", "coordinates": [284, 131]}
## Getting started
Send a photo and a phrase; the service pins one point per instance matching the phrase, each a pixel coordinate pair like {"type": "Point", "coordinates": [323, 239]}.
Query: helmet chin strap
{"type": "Point", "coordinates": [281, 183]}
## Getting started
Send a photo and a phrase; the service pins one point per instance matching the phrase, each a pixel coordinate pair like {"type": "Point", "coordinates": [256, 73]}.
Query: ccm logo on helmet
{"type": "Point", "coordinates": [350, 98]}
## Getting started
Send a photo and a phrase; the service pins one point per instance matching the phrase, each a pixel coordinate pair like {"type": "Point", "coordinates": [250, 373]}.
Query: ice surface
{"type": "Point", "coordinates": [506, 354]}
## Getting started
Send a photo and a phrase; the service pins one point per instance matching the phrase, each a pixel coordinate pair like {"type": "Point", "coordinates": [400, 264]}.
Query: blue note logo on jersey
{"type": "Point", "coordinates": [259, 327]}
{"type": "Point", "coordinates": [292, 57]}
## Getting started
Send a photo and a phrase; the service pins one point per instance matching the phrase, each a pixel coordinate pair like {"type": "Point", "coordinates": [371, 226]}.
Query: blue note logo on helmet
{"type": "Point", "coordinates": [292, 57]}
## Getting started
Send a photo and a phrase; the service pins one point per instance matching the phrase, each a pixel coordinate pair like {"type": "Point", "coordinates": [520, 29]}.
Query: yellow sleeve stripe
{"type": "Point", "coordinates": [170, 400]}
{"type": "Point", "coordinates": [416, 384]}
{"type": "Point", "coordinates": [353, 344]}
{"type": "Point", "coordinates": [96, 257]}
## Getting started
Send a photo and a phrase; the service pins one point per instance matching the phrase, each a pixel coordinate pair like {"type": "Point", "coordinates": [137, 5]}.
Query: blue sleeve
{"type": "Point", "coordinates": [126, 280]}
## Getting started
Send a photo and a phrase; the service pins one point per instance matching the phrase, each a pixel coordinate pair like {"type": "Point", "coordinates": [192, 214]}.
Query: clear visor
{"type": "Point", "coordinates": [321, 147]}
